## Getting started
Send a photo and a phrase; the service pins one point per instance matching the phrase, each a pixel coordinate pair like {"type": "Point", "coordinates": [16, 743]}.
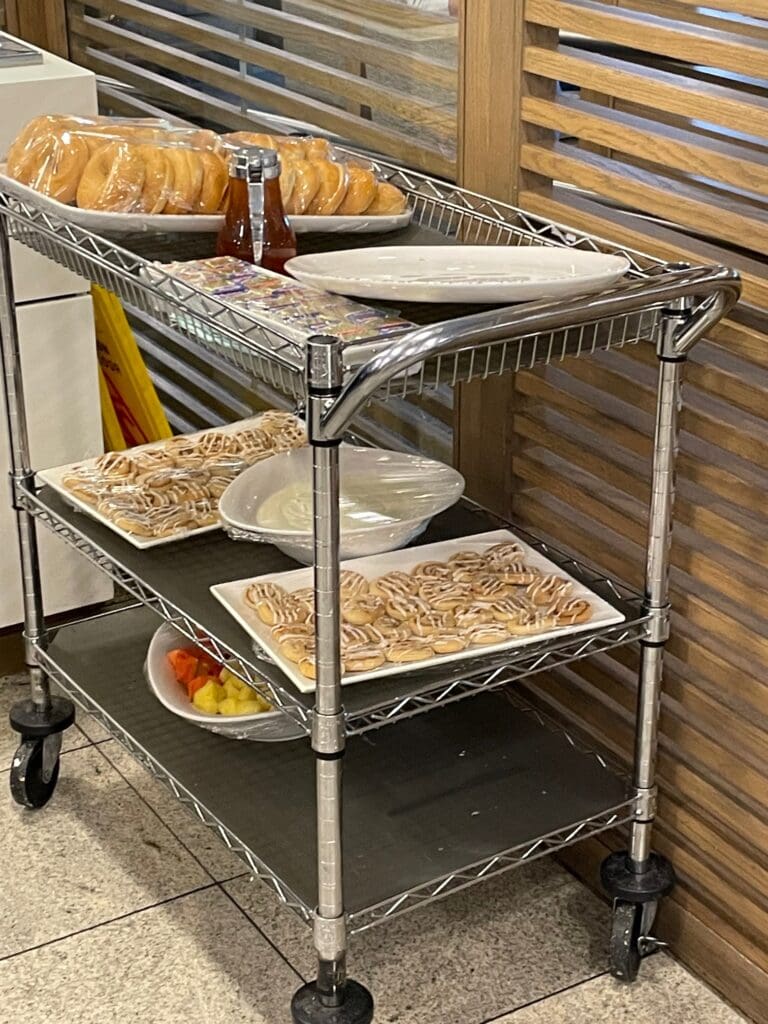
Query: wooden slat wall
{"type": "Point", "coordinates": [375, 72]}
{"type": "Point", "coordinates": [43, 22]}
{"type": "Point", "coordinates": [688, 145]}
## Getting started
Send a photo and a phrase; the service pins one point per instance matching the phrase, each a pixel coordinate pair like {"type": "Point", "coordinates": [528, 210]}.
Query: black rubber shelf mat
{"type": "Point", "coordinates": [183, 572]}
{"type": "Point", "coordinates": [423, 801]}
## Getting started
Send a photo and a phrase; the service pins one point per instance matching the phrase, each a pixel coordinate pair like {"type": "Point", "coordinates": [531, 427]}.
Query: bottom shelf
{"type": "Point", "coordinates": [440, 802]}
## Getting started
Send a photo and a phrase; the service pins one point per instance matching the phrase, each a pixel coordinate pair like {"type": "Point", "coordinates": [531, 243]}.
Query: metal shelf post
{"type": "Point", "coordinates": [332, 997]}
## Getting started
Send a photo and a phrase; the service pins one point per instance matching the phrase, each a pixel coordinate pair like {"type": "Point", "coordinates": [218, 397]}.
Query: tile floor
{"type": "Point", "coordinates": [119, 906]}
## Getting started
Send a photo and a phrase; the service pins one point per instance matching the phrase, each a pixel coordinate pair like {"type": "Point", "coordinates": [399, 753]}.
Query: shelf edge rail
{"type": "Point", "coordinates": [717, 288]}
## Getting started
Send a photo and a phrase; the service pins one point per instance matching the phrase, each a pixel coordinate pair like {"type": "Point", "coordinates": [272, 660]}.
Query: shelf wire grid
{"type": "Point", "coordinates": [492, 867]}
{"type": "Point", "coordinates": [271, 691]}
{"type": "Point", "coordinates": [456, 681]}
{"type": "Point", "coordinates": [145, 288]}
{"type": "Point", "coordinates": [265, 353]}
{"type": "Point", "coordinates": [260, 870]}
{"type": "Point", "coordinates": [412, 899]}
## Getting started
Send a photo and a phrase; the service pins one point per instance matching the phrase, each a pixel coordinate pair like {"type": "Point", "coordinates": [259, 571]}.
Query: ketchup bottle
{"type": "Point", "coordinates": [256, 228]}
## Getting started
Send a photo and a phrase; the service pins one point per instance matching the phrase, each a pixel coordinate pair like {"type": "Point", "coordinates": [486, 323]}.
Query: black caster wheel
{"type": "Point", "coordinates": [626, 940]}
{"type": "Point", "coordinates": [308, 1008]}
{"type": "Point", "coordinates": [623, 882]}
{"type": "Point", "coordinates": [35, 770]}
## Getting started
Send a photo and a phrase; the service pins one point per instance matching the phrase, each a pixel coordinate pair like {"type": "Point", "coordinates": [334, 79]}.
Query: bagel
{"type": "Point", "coordinates": [48, 157]}
{"type": "Point", "coordinates": [158, 179]}
{"type": "Point", "coordinates": [187, 180]}
{"type": "Point", "coordinates": [215, 181]}
{"type": "Point", "coordinates": [361, 191]}
{"type": "Point", "coordinates": [33, 131]}
{"type": "Point", "coordinates": [200, 138]}
{"type": "Point", "coordinates": [305, 187]}
{"type": "Point", "coordinates": [52, 164]}
{"type": "Point", "coordinates": [292, 149]}
{"type": "Point", "coordinates": [389, 201]}
{"type": "Point", "coordinates": [252, 139]}
{"type": "Point", "coordinates": [331, 191]}
{"type": "Point", "coordinates": [318, 149]}
{"type": "Point", "coordinates": [113, 179]}
{"type": "Point", "coordinates": [288, 175]}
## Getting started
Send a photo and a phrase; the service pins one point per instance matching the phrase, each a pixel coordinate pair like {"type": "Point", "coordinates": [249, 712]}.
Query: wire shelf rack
{"type": "Point", "coordinates": [183, 795]}
{"type": "Point", "coordinates": [169, 761]}
{"type": "Point", "coordinates": [405, 696]}
{"type": "Point", "coordinates": [440, 212]}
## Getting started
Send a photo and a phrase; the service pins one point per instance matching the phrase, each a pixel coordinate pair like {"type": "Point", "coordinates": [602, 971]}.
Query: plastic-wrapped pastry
{"type": "Point", "coordinates": [174, 486]}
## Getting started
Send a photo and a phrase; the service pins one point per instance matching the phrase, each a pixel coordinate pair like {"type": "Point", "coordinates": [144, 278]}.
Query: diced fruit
{"type": "Point", "coordinates": [250, 707]}
{"type": "Point", "coordinates": [201, 652]}
{"type": "Point", "coordinates": [209, 705]}
{"type": "Point", "coordinates": [206, 698]}
{"type": "Point", "coordinates": [230, 706]}
{"type": "Point", "coordinates": [227, 676]}
{"type": "Point", "coordinates": [183, 664]}
{"type": "Point", "coordinates": [231, 689]}
{"type": "Point", "coordinates": [196, 684]}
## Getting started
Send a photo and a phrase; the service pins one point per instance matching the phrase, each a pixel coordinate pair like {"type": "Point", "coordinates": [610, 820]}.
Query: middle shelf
{"type": "Point", "coordinates": [174, 581]}
{"type": "Point", "coordinates": [443, 801]}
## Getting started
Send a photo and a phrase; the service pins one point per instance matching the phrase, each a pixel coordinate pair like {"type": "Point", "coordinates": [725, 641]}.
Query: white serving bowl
{"type": "Point", "coordinates": [391, 495]}
{"type": "Point", "coordinates": [269, 726]}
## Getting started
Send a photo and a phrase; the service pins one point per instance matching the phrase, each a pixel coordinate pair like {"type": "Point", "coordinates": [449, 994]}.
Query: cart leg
{"type": "Point", "coordinates": [332, 998]}
{"type": "Point", "coordinates": [42, 718]}
{"type": "Point", "coordinates": [638, 878]}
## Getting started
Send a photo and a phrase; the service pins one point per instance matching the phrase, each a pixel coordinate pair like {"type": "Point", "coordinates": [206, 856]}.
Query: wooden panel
{"type": "Point", "coordinates": [666, 37]}
{"type": "Point", "coordinates": [349, 86]}
{"type": "Point", "coordinates": [650, 87]}
{"type": "Point", "coordinates": [661, 144]}
{"type": "Point", "coordinates": [336, 40]}
{"type": "Point", "coordinates": [490, 123]}
{"type": "Point", "coordinates": [86, 31]}
{"type": "Point", "coordinates": [642, 190]}
{"type": "Point", "coordinates": [42, 22]}
{"type": "Point", "coordinates": [381, 75]}
{"type": "Point", "coordinates": [685, 144]}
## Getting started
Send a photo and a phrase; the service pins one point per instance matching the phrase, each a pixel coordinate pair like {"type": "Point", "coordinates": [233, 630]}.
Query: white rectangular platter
{"type": "Point", "coordinates": [54, 479]}
{"type": "Point", "coordinates": [231, 596]}
{"type": "Point", "coordinates": [102, 220]}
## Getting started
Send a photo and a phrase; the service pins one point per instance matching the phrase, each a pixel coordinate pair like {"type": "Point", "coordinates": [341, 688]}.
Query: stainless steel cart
{"type": "Point", "coordinates": [442, 801]}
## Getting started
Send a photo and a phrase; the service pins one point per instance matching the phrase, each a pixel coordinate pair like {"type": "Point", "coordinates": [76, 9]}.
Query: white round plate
{"type": "Point", "coordinates": [462, 273]}
{"type": "Point", "coordinates": [101, 220]}
{"type": "Point", "coordinates": [267, 727]}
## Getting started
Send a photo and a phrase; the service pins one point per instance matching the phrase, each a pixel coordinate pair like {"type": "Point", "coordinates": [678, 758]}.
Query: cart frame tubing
{"type": "Point", "coordinates": [691, 302]}
{"type": "Point", "coordinates": [324, 381]}
{"type": "Point", "coordinates": [21, 476]}
{"type": "Point", "coordinates": [672, 358]}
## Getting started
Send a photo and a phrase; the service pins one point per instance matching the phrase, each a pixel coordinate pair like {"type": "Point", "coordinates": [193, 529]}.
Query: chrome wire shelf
{"type": "Point", "coordinates": [493, 866]}
{"type": "Point", "coordinates": [368, 706]}
{"type": "Point", "coordinates": [145, 288]}
{"type": "Point", "coordinates": [441, 213]}
{"type": "Point", "coordinates": [128, 712]}
{"type": "Point", "coordinates": [68, 685]}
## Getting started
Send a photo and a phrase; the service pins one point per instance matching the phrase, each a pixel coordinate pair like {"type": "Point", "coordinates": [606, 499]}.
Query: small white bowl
{"type": "Point", "coordinates": [398, 494]}
{"type": "Point", "coordinates": [267, 727]}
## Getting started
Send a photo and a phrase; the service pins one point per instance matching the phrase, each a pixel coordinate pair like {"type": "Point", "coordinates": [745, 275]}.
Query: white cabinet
{"type": "Point", "coordinates": [58, 348]}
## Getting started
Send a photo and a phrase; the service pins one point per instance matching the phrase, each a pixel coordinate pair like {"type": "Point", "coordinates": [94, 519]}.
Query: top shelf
{"type": "Point", "coordinates": [461, 344]}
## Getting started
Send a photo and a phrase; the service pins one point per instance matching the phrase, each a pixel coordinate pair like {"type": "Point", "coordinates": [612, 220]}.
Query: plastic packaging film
{"type": "Point", "coordinates": [173, 487]}
{"type": "Point", "coordinates": [148, 166]}
{"type": "Point", "coordinates": [300, 309]}
{"type": "Point", "coordinates": [121, 165]}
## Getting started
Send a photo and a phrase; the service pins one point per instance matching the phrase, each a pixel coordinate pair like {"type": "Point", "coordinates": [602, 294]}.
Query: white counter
{"type": "Point", "coordinates": [58, 348]}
